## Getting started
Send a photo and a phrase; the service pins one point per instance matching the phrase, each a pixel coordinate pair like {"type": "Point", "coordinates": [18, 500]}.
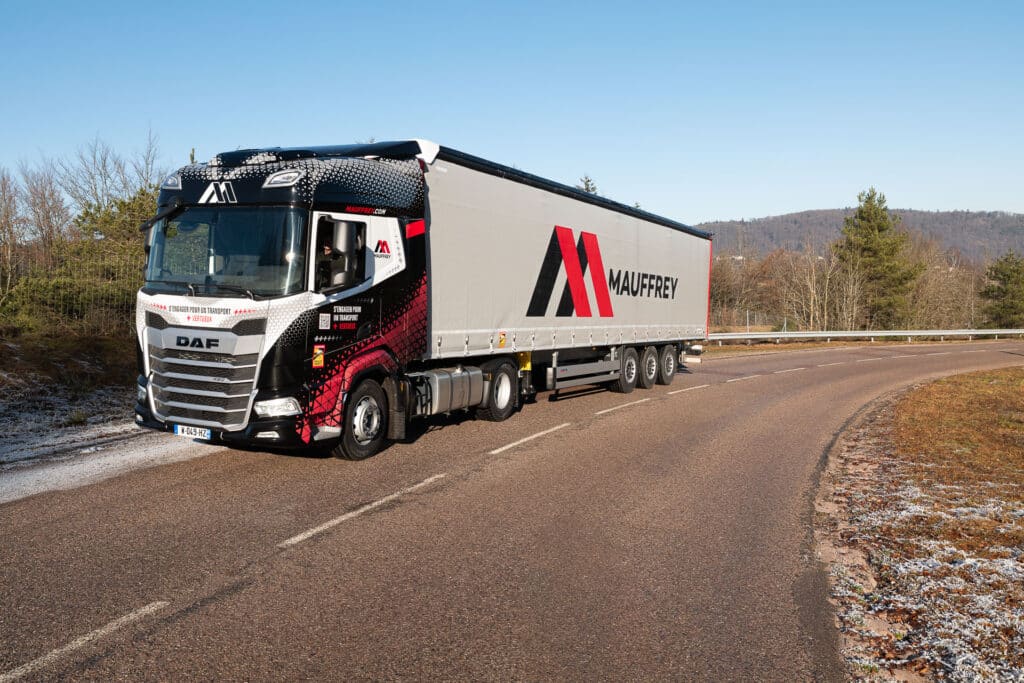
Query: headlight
{"type": "Point", "coordinates": [141, 393]}
{"type": "Point", "coordinates": [171, 182]}
{"type": "Point", "coordinates": [277, 407]}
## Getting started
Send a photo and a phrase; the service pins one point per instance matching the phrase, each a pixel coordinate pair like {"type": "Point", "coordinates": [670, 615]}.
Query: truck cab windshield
{"type": "Point", "coordinates": [235, 251]}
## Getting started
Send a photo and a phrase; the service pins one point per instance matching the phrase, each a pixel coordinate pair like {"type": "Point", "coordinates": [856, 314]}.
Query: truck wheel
{"type": "Point", "coordinates": [501, 391]}
{"type": "Point", "coordinates": [648, 368]}
{"type": "Point", "coordinates": [666, 365]}
{"type": "Point", "coordinates": [366, 422]}
{"type": "Point", "coordinates": [628, 372]}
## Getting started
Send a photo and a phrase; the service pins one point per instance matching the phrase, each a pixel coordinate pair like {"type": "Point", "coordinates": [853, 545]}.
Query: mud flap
{"type": "Point", "coordinates": [397, 393]}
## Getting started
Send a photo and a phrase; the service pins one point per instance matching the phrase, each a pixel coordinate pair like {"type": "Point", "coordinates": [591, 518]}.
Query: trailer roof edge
{"type": "Point", "coordinates": [515, 175]}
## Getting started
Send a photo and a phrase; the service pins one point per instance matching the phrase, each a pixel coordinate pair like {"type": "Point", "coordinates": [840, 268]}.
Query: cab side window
{"type": "Point", "coordinates": [340, 253]}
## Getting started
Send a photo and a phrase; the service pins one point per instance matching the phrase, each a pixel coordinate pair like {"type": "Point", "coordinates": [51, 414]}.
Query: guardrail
{"type": "Point", "coordinates": [861, 334]}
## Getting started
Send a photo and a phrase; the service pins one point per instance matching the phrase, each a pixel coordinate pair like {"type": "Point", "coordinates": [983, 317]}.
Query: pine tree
{"type": "Point", "coordinates": [873, 243]}
{"type": "Point", "coordinates": [1005, 292]}
{"type": "Point", "coordinates": [587, 184]}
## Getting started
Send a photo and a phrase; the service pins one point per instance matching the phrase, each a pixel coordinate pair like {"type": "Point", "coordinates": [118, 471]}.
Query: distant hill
{"type": "Point", "coordinates": [979, 235]}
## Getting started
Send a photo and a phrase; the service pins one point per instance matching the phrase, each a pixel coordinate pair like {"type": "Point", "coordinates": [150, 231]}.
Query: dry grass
{"type": "Point", "coordinates": [966, 429]}
{"type": "Point", "coordinates": [711, 348]}
{"type": "Point", "coordinates": [77, 363]}
{"type": "Point", "coordinates": [965, 435]}
{"type": "Point", "coordinates": [922, 517]}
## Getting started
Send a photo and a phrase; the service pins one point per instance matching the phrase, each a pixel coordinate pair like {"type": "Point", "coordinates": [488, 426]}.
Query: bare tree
{"type": "Point", "coordinates": [11, 225]}
{"type": "Point", "coordinates": [800, 285]}
{"type": "Point", "coordinates": [95, 176]}
{"type": "Point", "coordinates": [945, 295]}
{"type": "Point", "coordinates": [144, 169]}
{"type": "Point", "coordinates": [47, 214]}
{"type": "Point", "coordinates": [850, 281]}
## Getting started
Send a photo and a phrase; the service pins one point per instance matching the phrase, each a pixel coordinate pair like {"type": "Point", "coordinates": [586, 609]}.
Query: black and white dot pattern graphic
{"type": "Point", "coordinates": [396, 185]}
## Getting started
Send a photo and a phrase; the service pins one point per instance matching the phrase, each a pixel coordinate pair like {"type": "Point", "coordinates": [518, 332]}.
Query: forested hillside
{"type": "Point", "coordinates": [979, 235]}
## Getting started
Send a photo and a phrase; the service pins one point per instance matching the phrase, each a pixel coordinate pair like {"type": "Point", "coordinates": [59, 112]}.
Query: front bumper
{"type": "Point", "coordinates": [285, 428]}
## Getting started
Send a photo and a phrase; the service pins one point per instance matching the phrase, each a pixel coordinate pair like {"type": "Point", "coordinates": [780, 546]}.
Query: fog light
{"type": "Point", "coordinates": [140, 393]}
{"type": "Point", "coordinates": [277, 407]}
{"type": "Point", "coordinates": [267, 435]}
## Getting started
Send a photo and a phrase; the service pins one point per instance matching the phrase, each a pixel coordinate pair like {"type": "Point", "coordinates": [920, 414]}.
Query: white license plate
{"type": "Point", "coordinates": [192, 432]}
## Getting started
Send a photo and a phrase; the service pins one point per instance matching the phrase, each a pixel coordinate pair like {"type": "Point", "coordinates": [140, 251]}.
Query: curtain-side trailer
{"type": "Point", "coordinates": [322, 297]}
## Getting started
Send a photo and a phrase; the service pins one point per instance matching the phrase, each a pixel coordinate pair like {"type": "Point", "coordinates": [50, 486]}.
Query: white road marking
{"type": "Point", "coordinates": [679, 391]}
{"type": "Point", "coordinates": [624, 405]}
{"type": "Point", "coordinates": [939, 353]}
{"type": "Point", "coordinates": [825, 365]}
{"type": "Point", "coordinates": [740, 379]}
{"type": "Point", "coordinates": [781, 372]}
{"type": "Point", "coordinates": [868, 360]}
{"type": "Point", "coordinates": [529, 438]}
{"type": "Point", "coordinates": [976, 351]}
{"type": "Point", "coordinates": [82, 641]}
{"type": "Point", "coordinates": [355, 513]}
{"type": "Point", "coordinates": [903, 356]}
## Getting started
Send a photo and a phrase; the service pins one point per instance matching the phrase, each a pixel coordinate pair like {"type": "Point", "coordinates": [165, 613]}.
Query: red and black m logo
{"type": "Point", "coordinates": [577, 257]}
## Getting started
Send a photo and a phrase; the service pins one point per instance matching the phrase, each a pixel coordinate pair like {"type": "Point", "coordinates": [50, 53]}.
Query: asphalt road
{"type": "Point", "coordinates": [664, 534]}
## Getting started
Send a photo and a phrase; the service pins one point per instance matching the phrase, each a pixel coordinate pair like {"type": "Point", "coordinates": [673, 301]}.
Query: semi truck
{"type": "Point", "coordinates": [323, 297]}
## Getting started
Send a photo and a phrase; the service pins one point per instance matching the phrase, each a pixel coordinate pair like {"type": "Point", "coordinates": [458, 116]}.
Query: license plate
{"type": "Point", "coordinates": [192, 432]}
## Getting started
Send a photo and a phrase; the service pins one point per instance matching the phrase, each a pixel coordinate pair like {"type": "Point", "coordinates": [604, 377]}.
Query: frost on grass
{"type": "Point", "coordinates": [42, 416]}
{"type": "Point", "coordinates": [914, 599]}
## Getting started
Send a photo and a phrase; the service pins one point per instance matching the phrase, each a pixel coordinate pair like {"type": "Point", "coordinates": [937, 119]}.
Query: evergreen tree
{"type": "Point", "coordinates": [1005, 292]}
{"type": "Point", "coordinates": [873, 243]}
{"type": "Point", "coordinates": [587, 184]}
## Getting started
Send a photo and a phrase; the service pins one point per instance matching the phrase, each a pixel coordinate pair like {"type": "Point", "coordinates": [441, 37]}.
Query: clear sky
{"type": "Point", "coordinates": [699, 111]}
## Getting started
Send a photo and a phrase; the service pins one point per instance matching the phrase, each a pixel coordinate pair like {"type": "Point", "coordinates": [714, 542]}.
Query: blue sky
{"type": "Point", "coordinates": [698, 112]}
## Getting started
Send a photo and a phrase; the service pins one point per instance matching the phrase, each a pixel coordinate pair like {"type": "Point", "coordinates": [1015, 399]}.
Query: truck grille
{"type": "Point", "coordinates": [209, 388]}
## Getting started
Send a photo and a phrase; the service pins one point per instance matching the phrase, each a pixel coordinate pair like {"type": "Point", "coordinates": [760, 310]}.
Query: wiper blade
{"type": "Point", "coordinates": [233, 288]}
{"type": "Point", "coordinates": [190, 287]}
{"type": "Point", "coordinates": [176, 207]}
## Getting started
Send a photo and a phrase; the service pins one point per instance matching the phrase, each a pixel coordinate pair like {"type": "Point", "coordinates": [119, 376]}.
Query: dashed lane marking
{"type": "Point", "coordinates": [939, 353]}
{"type": "Point", "coordinates": [528, 438]}
{"type": "Point", "coordinates": [355, 513]}
{"type": "Point", "coordinates": [868, 360]}
{"type": "Point", "coordinates": [740, 379]}
{"type": "Point", "coordinates": [826, 365]}
{"type": "Point", "coordinates": [679, 391]}
{"type": "Point", "coordinates": [82, 641]}
{"type": "Point", "coordinates": [624, 405]}
{"type": "Point", "coordinates": [782, 372]}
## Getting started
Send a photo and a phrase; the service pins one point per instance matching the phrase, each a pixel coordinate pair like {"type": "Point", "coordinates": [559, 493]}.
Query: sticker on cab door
{"type": "Point", "coordinates": [318, 355]}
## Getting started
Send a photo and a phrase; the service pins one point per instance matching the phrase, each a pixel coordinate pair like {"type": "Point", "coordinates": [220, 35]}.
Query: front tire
{"type": "Point", "coordinates": [366, 422]}
{"type": "Point", "coordinates": [501, 391]}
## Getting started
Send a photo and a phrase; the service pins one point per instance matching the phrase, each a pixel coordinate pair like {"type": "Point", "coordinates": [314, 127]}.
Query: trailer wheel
{"type": "Point", "coordinates": [501, 391]}
{"type": "Point", "coordinates": [648, 368]}
{"type": "Point", "coordinates": [366, 422]}
{"type": "Point", "coordinates": [628, 372]}
{"type": "Point", "coordinates": [666, 365]}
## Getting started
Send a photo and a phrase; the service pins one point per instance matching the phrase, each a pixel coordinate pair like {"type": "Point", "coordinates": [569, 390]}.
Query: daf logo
{"type": "Point", "coordinates": [219, 193]}
{"type": "Point", "coordinates": [197, 342]}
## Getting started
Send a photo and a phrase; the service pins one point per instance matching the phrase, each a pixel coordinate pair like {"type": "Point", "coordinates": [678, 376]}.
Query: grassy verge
{"type": "Point", "coordinates": [77, 364]}
{"type": "Point", "coordinates": [965, 435]}
{"type": "Point", "coordinates": [711, 348]}
{"type": "Point", "coordinates": [928, 532]}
